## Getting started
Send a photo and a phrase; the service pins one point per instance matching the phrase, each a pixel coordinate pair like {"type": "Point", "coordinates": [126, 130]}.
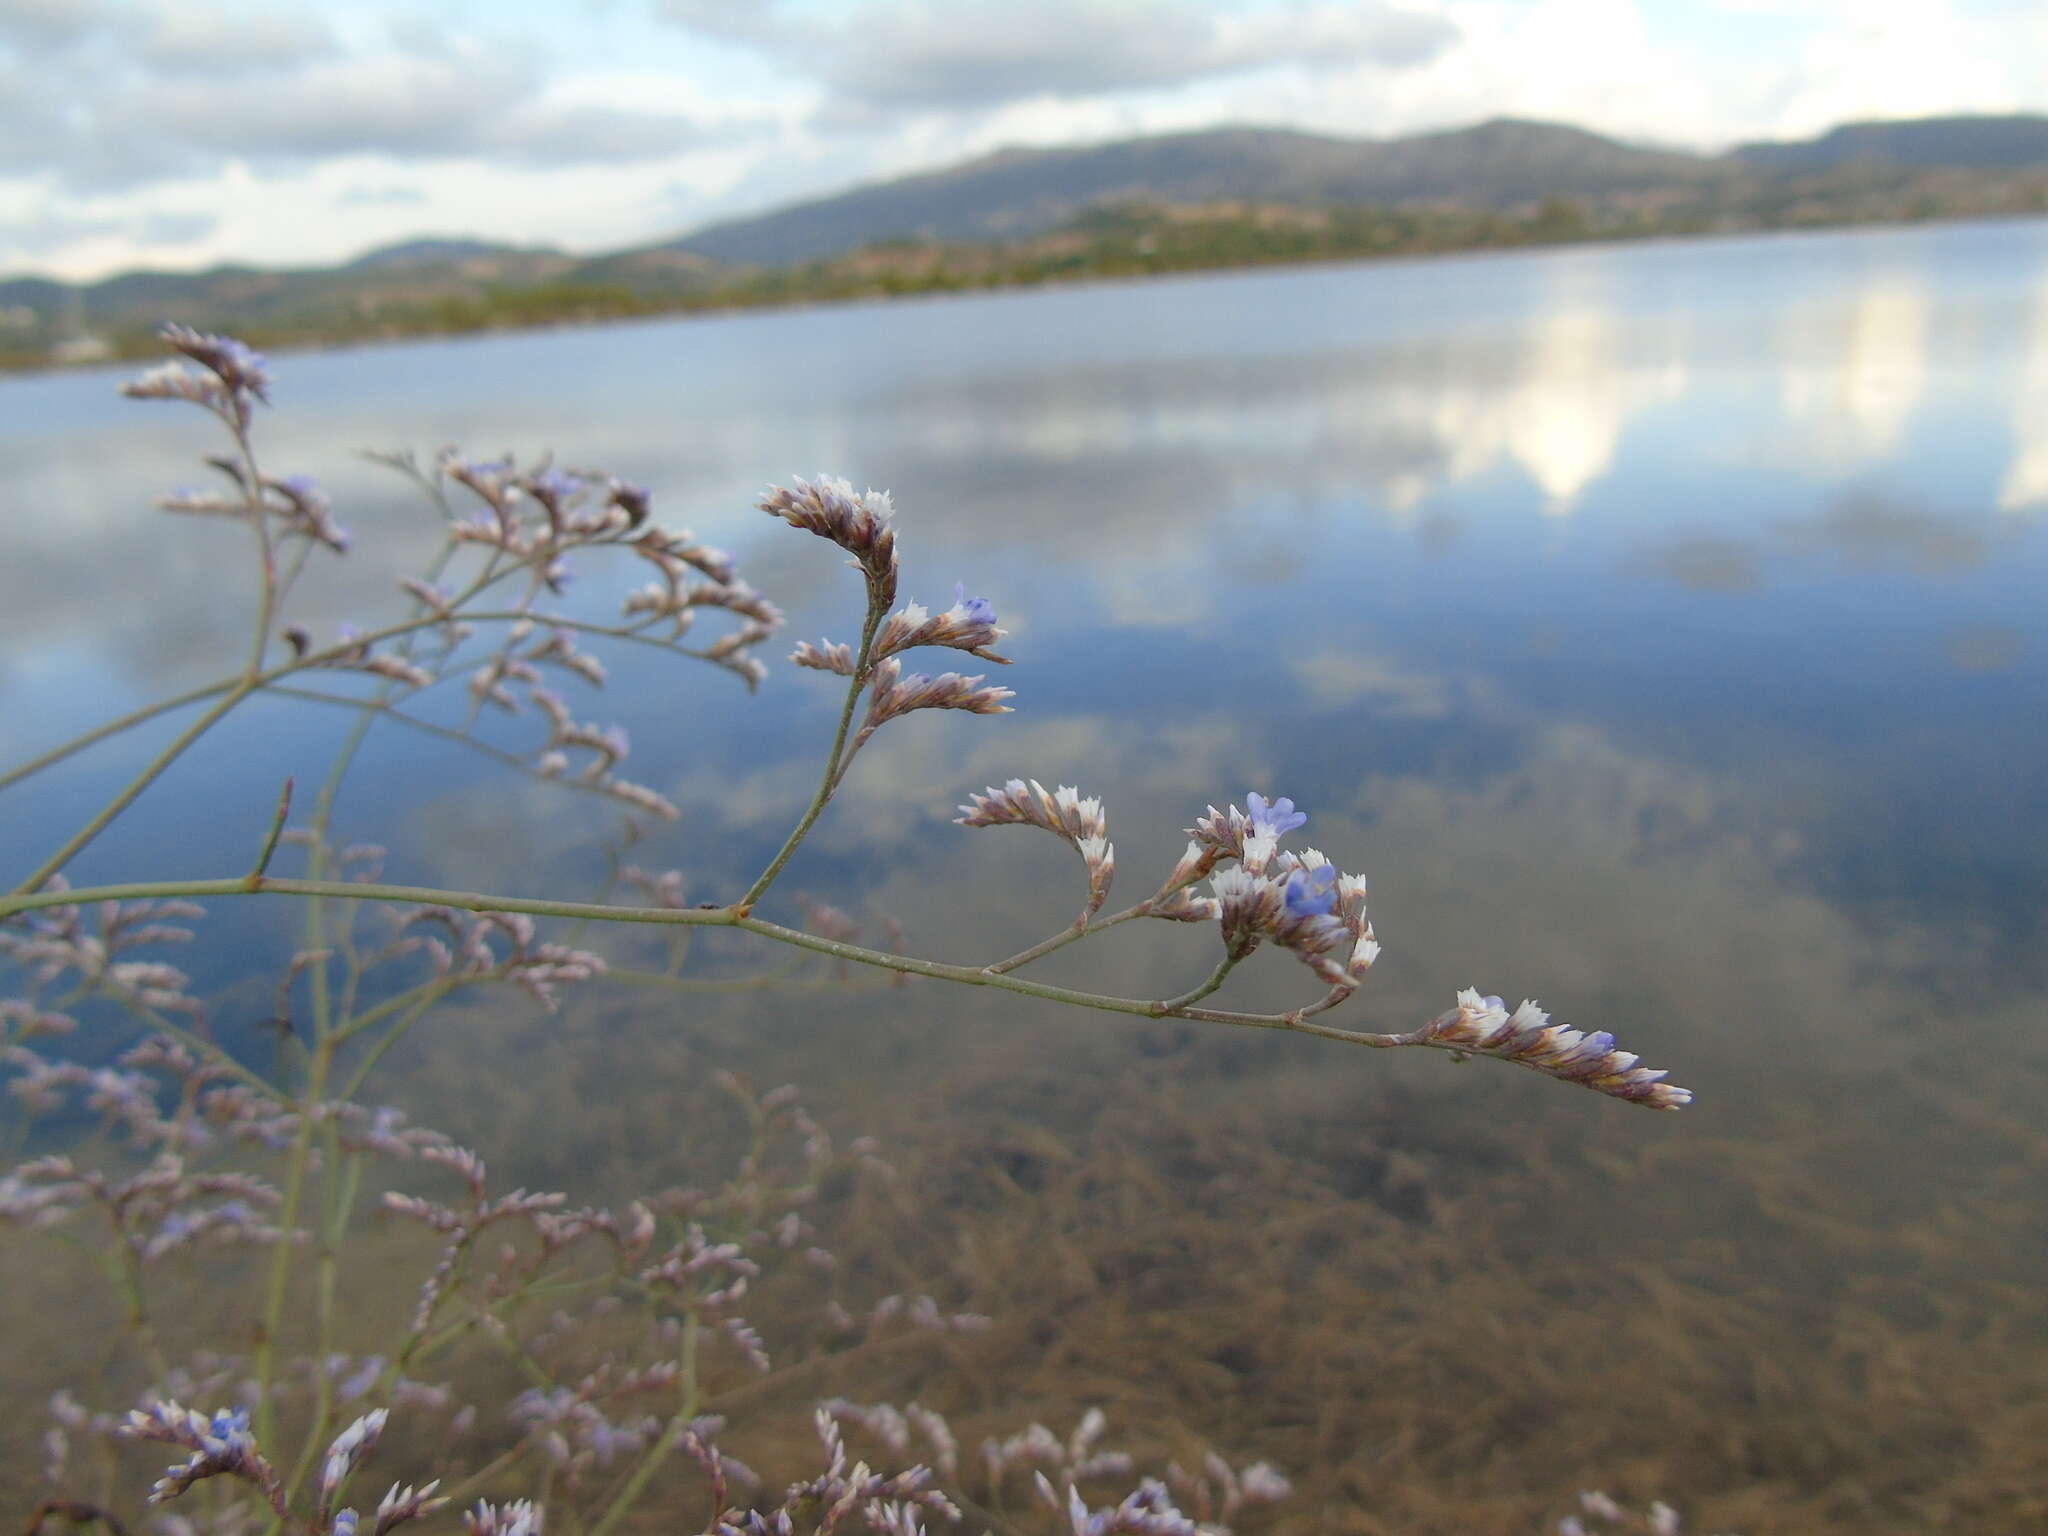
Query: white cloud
{"type": "Point", "coordinates": [184, 37]}
{"type": "Point", "coordinates": [117, 113]}
{"type": "Point", "coordinates": [1905, 58]}
{"type": "Point", "coordinates": [132, 104]}
{"type": "Point", "coordinates": [971, 54]}
{"type": "Point", "coordinates": [139, 132]}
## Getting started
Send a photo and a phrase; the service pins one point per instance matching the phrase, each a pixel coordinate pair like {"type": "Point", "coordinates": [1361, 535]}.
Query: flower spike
{"type": "Point", "coordinates": [858, 522]}
{"type": "Point", "coordinates": [1483, 1026]}
{"type": "Point", "coordinates": [969, 625]}
{"type": "Point", "coordinates": [1065, 814]}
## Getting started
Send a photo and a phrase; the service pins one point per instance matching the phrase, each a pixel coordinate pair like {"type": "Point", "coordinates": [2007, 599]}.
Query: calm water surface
{"type": "Point", "coordinates": [1660, 629]}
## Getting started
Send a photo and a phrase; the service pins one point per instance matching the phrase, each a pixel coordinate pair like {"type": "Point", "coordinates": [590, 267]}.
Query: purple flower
{"type": "Point", "coordinates": [229, 1427]}
{"type": "Point", "coordinates": [1312, 892]}
{"type": "Point", "coordinates": [235, 364]}
{"type": "Point", "coordinates": [1276, 819]}
{"type": "Point", "coordinates": [976, 610]}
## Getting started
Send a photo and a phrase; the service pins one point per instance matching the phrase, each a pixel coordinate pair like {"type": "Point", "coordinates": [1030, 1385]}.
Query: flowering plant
{"type": "Point", "coordinates": [635, 1363]}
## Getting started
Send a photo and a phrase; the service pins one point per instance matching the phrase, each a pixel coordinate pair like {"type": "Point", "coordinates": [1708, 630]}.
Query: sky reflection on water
{"type": "Point", "coordinates": [1658, 627]}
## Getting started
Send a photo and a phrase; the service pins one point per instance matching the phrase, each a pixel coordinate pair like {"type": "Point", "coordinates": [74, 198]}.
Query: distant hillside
{"type": "Point", "coordinates": [37, 315]}
{"type": "Point", "coordinates": [1965, 143]}
{"type": "Point", "coordinates": [1180, 202]}
{"type": "Point", "coordinates": [1498, 165]}
{"type": "Point", "coordinates": [428, 252]}
{"type": "Point", "coordinates": [1018, 193]}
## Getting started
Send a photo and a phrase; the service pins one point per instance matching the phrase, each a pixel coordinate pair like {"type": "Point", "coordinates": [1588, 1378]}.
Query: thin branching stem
{"type": "Point", "coordinates": [1209, 984]}
{"type": "Point", "coordinates": [192, 1040]}
{"type": "Point", "coordinates": [1082, 930]}
{"type": "Point", "coordinates": [327, 1038]}
{"type": "Point", "coordinates": [284, 809]}
{"type": "Point", "coordinates": [252, 487]}
{"type": "Point", "coordinates": [232, 692]}
{"type": "Point", "coordinates": [429, 996]}
{"type": "Point", "coordinates": [277, 1292]}
{"type": "Point", "coordinates": [113, 727]}
{"type": "Point", "coordinates": [834, 768]}
{"type": "Point", "coordinates": [686, 1409]}
{"type": "Point", "coordinates": [341, 1202]}
{"type": "Point", "coordinates": [485, 1477]}
{"type": "Point", "coordinates": [128, 795]}
{"type": "Point", "coordinates": [127, 1266]}
{"type": "Point", "coordinates": [725, 917]}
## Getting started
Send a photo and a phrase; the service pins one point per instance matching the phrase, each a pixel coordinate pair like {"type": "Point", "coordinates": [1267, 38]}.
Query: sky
{"type": "Point", "coordinates": [178, 134]}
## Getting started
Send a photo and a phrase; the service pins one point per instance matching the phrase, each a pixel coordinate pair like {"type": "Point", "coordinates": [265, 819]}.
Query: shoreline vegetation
{"type": "Point", "coordinates": [531, 291]}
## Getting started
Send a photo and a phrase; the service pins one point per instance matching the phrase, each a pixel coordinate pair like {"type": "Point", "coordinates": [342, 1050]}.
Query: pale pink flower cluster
{"type": "Point", "coordinates": [1065, 813]}
{"type": "Point", "coordinates": [891, 693]}
{"type": "Point", "coordinates": [859, 522]}
{"type": "Point", "coordinates": [472, 951]}
{"type": "Point", "coordinates": [969, 625]}
{"type": "Point", "coordinates": [1484, 1027]}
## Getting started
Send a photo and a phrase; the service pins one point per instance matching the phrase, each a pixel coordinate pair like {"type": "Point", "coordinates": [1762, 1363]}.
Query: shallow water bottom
{"type": "Point", "coordinates": [1441, 1298]}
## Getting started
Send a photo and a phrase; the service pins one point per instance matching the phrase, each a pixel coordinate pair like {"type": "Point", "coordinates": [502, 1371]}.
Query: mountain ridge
{"type": "Point", "coordinates": [1201, 199]}
{"type": "Point", "coordinates": [1015, 192]}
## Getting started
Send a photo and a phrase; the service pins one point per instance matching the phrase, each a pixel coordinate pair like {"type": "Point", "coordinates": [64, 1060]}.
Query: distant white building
{"type": "Point", "coordinates": [82, 348]}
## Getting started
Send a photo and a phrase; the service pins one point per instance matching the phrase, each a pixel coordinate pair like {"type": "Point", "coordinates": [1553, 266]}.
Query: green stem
{"type": "Point", "coordinates": [415, 998]}
{"type": "Point", "coordinates": [332, 1229]}
{"type": "Point", "coordinates": [833, 767]}
{"type": "Point", "coordinates": [363, 890]}
{"type": "Point", "coordinates": [481, 1479]}
{"type": "Point", "coordinates": [485, 1320]}
{"type": "Point", "coordinates": [112, 727]}
{"type": "Point", "coordinates": [1071, 935]}
{"type": "Point", "coordinates": [1214, 980]}
{"type": "Point", "coordinates": [396, 1033]}
{"type": "Point", "coordinates": [327, 1040]}
{"type": "Point", "coordinates": [239, 689]}
{"type": "Point", "coordinates": [128, 1267]}
{"type": "Point", "coordinates": [417, 1337]}
{"type": "Point", "coordinates": [266, 603]}
{"type": "Point", "coordinates": [728, 917]}
{"type": "Point", "coordinates": [284, 807]}
{"type": "Point", "coordinates": [300, 556]}
{"type": "Point", "coordinates": [433, 1345]}
{"type": "Point", "coordinates": [398, 716]}
{"type": "Point", "coordinates": [281, 1252]}
{"type": "Point", "coordinates": [136, 786]}
{"type": "Point", "coordinates": [686, 1410]}
{"type": "Point", "coordinates": [192, 1041]}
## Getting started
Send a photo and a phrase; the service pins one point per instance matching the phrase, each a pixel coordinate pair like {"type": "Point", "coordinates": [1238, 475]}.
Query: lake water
{"type": "Point", "coordinates": [1659, 627]}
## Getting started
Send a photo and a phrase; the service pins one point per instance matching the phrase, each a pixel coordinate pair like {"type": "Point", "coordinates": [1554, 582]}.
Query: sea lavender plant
{"type": "Point", "coordinates": [630, 1325]}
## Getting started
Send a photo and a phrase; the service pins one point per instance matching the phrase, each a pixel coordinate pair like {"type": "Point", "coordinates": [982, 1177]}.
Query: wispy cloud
{"type": "Point", "coordinates": [587, 125]}
{"type": "Point", "coordinates": [139, 94]}
{"type": "Point", "coordinates": [974, 54]}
